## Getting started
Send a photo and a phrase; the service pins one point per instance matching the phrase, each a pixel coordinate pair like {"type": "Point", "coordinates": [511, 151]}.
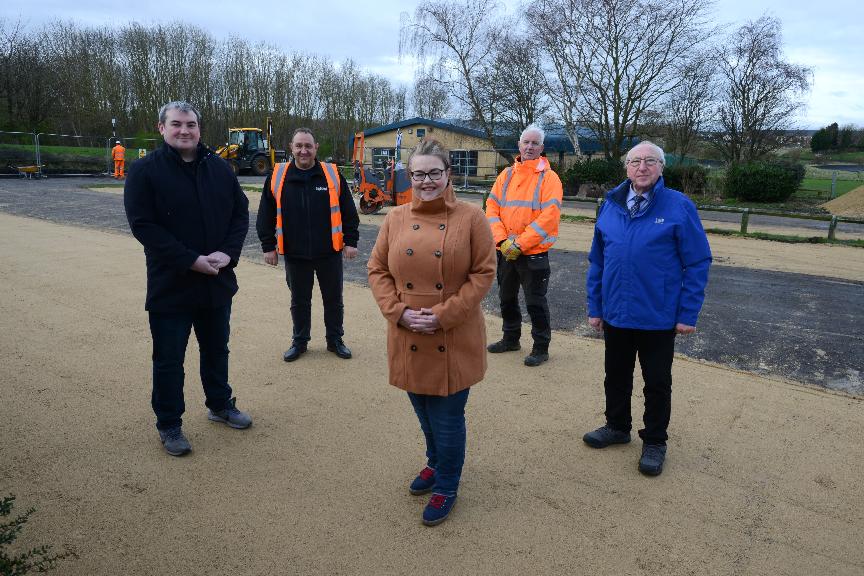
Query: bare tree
{"type": "Point", "coordinates": [524, 97]}
{"type": "Point", "coordinates": [689, 106]}
{"type": "Point", "coordinates": [429, 98]}
{"type": "Point", "coordinates": [461, 36]}
{"type": "Point", "coordinates": [760, 94]}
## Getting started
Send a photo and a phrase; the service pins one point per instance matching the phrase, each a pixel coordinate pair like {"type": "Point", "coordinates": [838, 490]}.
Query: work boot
{"type": "Point", "coordinates": [174, 441]}
{"type": "Point", "coordinates": [536, 357]}
{"type": "Point", "coordinates": [503, 345]}
{"type": "Point", "coordinates": [231, 416]}
{"type": "Point", "coordinates": [605, 436]}
{"type": "Point", "coordinates": [653, 456]}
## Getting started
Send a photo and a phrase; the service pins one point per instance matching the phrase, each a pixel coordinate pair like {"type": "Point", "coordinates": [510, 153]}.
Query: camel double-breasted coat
{"type": "Point", "coordinates": [436, 254]}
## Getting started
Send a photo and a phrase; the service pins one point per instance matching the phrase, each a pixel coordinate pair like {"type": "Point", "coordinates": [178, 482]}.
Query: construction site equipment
{"type": "Point", "coordinates": [375, 194]}
{"type": "Point", "coordinates": [28, 171]}
{"type": "Point", "coordinates": [248, 150]}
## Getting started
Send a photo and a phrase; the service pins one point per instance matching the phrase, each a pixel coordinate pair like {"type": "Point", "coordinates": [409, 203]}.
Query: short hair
{"type": "Point", "coordinates": [661, 155]}
{"type": "Point", "coordinates": [181, 105]}
{"type": "Point", "coordinates": [533, 128]}
{"type": "Point", "coordinates": [303, 130]}
{"type": "Point", "coordinates": [431, 147]}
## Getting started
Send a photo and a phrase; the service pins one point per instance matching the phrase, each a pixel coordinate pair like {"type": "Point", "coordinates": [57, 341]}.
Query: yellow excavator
{"type": "Point", "coordinates": [247, 150]}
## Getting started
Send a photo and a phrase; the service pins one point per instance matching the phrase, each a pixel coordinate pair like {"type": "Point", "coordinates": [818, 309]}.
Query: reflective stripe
{"type": "Point", "coordinates": [537, 191]}
{"type": "Point", "coordinates": [536, 227]}
{"type": "Point", "coordinates": [336, 229]}
{"type": "Point", "coordinates": [506, 184]}
{"type": "Point", "coordinates": [552, 202]}
{"type": "Point", "coordinates": [279, 211]}
{"type": "Point", "coordinates": [334, 209]}
{"type": "Point", "coordinates": [519, 204]}
{"type": "Point", "coordinates": [278, 231]}
{"type": "Point", "coordinates": [494, 219]}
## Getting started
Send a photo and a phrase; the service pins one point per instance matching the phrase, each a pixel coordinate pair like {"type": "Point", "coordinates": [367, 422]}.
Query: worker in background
{"type": "Point", "coordinates": [307, 214]}
{"type": "Point", "coordinates": [118, 154]}
{"type": "Point", "coordinates": [523, 210]}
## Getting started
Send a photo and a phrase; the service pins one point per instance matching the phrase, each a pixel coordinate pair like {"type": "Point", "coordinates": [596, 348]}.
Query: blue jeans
{"type": "Point", "coordinates": [442, 419]}
{"type": "Point", "coordinates": [170, 333]}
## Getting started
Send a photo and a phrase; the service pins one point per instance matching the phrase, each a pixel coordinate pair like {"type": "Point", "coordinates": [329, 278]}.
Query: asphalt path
{"type": "Point", "coordinates": [801, 327]}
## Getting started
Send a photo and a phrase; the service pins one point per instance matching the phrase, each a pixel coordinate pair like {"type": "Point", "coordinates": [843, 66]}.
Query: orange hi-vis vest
{"type": "Point", "coordinates": [331, 173]}
{"type": "Point", "coordinates": [118, 153]}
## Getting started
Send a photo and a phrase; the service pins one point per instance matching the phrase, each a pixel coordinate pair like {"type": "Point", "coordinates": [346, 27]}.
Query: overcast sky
{"type": "Point", "coordinates": [828, 36]}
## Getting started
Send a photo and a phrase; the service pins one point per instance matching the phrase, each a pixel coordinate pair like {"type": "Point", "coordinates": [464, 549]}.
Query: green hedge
{"type": "Point", "coordinates": [598, 171]}
{"type": "Point", "coordinates": [763, 181]}
{"type": "Point", "coordinates": [692, 180]}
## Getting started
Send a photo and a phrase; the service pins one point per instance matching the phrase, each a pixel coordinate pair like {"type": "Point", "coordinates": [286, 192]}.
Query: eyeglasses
{"type": "Point", "coordinates": [433, 175]}
{"type": "Point", "coordinates": [649, 162]}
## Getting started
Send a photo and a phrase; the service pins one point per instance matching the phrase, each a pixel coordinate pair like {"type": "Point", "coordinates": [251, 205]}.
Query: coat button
{"type": "Point", "coordinates": [416, 226]}
{"type": "Point", "coordinates": [441, 226]}
{"type": "Point", "coordinates": [413, 348]}
{"type": "Point", "coordinates": [409, 286]}
{"type": "Point", "coordinates": [437, 253]}
{"type": "Point", "coordinates": [439, 286]}
{"type": "Point", "coordinates": [440, 348]}
{"type": "Point", "coordinates": [409, 252]}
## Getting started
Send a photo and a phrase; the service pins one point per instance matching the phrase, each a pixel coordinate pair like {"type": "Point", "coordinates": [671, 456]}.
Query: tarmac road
{"type": "Point", "coordinates": [801, 327]}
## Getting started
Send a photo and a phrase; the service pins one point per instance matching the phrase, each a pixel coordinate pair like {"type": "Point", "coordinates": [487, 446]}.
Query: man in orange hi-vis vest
{"type": "Point", "coordinates": [118, 154]}
{"type": "Point", "coordinates": [307, 214]}
{"type": "Point", "coordinates": [523, 210]}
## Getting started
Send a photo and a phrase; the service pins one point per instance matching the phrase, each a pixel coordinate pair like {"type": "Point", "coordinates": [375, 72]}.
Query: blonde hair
{"type": "Point", "coordinates": [431, 147]}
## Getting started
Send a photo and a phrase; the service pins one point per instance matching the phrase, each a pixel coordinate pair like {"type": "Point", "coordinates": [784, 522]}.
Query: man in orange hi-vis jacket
{"type": "Point", "coordinates": [523, 210]}
{"type": "Point", "coordinates": [118, 154]}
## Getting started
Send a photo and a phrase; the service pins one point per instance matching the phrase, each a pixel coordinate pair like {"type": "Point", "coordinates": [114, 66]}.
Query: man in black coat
{"type": "Point", "coordinates": [312, 220]}
{"type": "Point", "coordinates": [185, 206]}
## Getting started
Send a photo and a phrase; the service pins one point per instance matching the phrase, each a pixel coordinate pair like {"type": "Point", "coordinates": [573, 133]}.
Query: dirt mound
{"type": "Point", "coordinates": [850, 204]}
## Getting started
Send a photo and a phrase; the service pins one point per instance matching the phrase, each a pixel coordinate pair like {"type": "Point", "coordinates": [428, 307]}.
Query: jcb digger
{"type": "Point", "coordinates": [248, 150]}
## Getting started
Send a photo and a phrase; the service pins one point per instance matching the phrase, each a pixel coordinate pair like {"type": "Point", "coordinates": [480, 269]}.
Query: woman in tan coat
{"type": "Point", "coordinates": [432, 264]}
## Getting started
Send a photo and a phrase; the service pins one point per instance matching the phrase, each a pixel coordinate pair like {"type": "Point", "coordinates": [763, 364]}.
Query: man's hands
{"type": "Point", "coordinates": [271, 258]}
{"type": "Point", "coordinates": [349, 252]}
{"type": "Point", "coordinates": [510, 250]}
{"type": "Point", "coordinates": [210, 264]}
{"type": "Point", "coordinates": [423, 321]}
{"type": "Point", "coordinates": [596, 323]}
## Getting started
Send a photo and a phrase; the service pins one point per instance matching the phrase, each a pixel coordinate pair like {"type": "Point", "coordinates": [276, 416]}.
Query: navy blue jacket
{"type": "Point", "coordinates": [180, 211]}
{"type": "Point", "coordinates": [648, 272]}
{"type": "Point", "coordinates": [306, 214]}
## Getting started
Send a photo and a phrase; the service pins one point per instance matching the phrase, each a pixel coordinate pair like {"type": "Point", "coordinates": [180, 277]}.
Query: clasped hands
{"type": "Point", "coordinates": [510, 250]}
{"type": "Point", "coordinates": [423, 321]}
{"type": "Point", "coordinates": [210, 264]}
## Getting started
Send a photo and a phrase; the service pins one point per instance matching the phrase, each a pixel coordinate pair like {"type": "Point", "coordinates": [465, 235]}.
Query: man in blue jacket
{"type": "Point", "coordinates": [185, 206]}
{"type": "Point", "coordinates": [646, 283]}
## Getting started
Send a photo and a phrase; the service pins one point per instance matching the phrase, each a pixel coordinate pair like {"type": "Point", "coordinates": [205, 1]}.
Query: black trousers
{"type": "Point", "coordinates": [655, 349]}
{"type": "Point", "coordinates": [300, 274]}
{"type": "Point", "coordinates": [531, 273]}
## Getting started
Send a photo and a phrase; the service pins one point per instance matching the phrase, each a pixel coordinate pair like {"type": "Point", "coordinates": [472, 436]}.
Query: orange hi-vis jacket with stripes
{"type": "Point", "coordinates": [525, 205]}
{"type": "Point", "coordinates": [118, 153]}
{"type": "Point", "coordinates": [331, 173]}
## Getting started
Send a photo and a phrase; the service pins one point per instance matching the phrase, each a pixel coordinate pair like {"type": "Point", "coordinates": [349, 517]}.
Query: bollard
{"type": "Point", "coordinates": [745, 220]}
{"type": "Point", "coordinates": [599, 204]}
{"type": "Point", "coordinates": [832, 228]}
{"type": "Point", "coordinates": [834, 184]}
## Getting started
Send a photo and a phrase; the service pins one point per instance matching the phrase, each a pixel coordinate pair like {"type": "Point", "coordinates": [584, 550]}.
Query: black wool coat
{"type": "Point", "coordinates": [180, 210]}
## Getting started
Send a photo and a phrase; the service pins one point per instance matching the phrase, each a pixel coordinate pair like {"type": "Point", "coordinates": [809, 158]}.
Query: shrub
{"type": "Point", "coordinates": [598, 171]}
{"type": "Point", "coordinates": [692, 180]}
{"type": "Point", "coordinates": [39, 559]}
{"type": "Point", "coordinates": [773, 181]}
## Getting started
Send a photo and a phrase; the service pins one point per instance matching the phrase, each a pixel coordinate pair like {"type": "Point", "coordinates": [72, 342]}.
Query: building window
{"type": "Point", "coordinates": [464, 162]}
{"type": "Point", "coordinates": [421, 132]}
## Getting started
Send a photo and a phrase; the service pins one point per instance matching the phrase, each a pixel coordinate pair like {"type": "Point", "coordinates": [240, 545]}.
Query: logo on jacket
{"type": "Point", "coordinates": [321, 188]}
{"type": "Point", "coordinates": [658, 220]}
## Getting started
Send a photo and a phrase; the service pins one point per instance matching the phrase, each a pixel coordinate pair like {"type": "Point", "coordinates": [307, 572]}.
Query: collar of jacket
{"type": "Point", "coordinates": [446, 200]}
{"type": "Point", "coordinates": [295, 173]}
{"type": "Point", "coordinates": [201, 152]}
{"type": "Point", "coordinates": [540, 164]}
{"type": "Point", "coordinates": [619, 194]}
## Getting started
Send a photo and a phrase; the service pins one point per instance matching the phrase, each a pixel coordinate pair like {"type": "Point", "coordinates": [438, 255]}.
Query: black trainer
{"type": "Point", "coordinates": [653, 456]}
{"type": "Point", "coordinates": [503, 346]}
{"type": "Point", "coordinates": [605, 436]}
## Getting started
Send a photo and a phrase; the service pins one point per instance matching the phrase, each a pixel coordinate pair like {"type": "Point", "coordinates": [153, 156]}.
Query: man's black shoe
{"type": "Point", "coordinates": [338, 347]}
{"type": "Point", "coordinates": [536, 358]}
{"type": "Point", "coordinates": [294, 352]}
{"type": "Point", "coordinates": [503, 346]}
{"type": "Point", "coordinates": [605, 436]}
{"type": "Point", "coordinates": [653, 456]}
